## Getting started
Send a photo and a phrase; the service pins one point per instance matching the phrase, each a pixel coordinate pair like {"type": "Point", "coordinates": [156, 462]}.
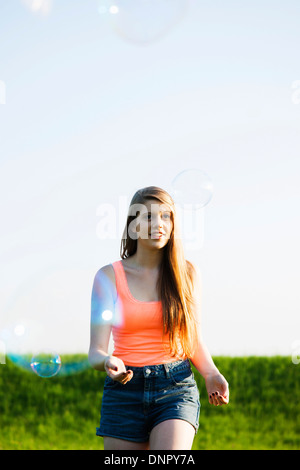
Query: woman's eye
{"type": "Point", "coordinates": [164, 216]}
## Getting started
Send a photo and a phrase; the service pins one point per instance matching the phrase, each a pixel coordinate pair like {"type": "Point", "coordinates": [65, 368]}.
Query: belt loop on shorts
{"type": "Point", "coordinates": [167, 370]}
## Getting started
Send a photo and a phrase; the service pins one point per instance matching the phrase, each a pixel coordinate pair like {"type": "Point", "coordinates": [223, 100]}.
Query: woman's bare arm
{"type": "Point", "coordinates": [100, 330]}
{"type": "Point", "coordinates": [216, 384]}
{"type": "Point", "coordinates": [103, 300]}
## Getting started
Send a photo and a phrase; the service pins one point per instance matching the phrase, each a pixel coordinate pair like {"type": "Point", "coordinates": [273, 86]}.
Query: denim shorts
{"type": "Point", "coordinates": [154, 394]}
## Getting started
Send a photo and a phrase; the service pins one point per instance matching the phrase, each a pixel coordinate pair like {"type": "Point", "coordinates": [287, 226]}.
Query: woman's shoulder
{"type": "Point", "coordinates": [105, 273]}
{"type": "Point", "coordinates": [194, 272]}
{"type": "Point", "coordinates": [107, 269]}
{"type": "Point", "coordinates": [191, 267]}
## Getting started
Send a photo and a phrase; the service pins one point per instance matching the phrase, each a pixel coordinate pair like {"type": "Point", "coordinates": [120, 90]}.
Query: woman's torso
{"type": "Point", "coordinates": [138, 333]}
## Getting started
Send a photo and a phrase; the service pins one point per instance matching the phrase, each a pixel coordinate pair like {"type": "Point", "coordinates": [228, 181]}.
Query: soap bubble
{"type": "Point", "coordinates": [30, 324]}
{"type": "Point", "coordinates": [143, 21]}
{"type": "Point", "coordinates": [46, 364]}
{"type": "Point", "coordinates": [192, 188]}
{"type": "Point", "coordinates": [30, 328]}
{"type": "Point", "coordinates": [42, 7]}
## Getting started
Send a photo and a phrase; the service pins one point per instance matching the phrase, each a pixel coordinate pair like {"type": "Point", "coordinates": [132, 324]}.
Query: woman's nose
{"type": "Point", "coordinates": [157, 224]}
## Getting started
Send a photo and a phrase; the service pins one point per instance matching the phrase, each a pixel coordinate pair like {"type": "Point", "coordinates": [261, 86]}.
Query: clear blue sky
{"type": "Point", "coordinates": [90, 116]}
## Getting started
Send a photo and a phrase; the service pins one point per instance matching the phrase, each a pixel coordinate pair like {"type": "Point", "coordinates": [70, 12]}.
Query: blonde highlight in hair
{"type": "Point", "coordinates": [175, 279]}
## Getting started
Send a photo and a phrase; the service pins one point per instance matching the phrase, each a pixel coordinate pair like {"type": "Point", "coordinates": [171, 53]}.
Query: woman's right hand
{"type": "Point", "coordinates": [116, 370]}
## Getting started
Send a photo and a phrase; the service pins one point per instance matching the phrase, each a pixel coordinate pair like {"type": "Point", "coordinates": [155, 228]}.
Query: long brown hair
{"type": "Point", "coordinates": [175, 279]}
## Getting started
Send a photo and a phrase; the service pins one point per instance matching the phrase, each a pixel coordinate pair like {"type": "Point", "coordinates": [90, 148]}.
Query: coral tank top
{"type": "Point", "coordinates": [138, 334]}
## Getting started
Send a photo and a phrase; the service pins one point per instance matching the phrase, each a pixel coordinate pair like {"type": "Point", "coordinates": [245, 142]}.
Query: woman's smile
{"type": "Point", "coordinates": [157, 235]}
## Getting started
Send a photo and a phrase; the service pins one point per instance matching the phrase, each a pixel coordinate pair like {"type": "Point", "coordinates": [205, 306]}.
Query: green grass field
{"type": "Point", "coordinates": [63, 412]}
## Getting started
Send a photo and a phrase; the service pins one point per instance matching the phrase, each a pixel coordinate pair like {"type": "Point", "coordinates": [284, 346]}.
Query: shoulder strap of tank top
{"type": "Point", "coordinates": [121, 281]}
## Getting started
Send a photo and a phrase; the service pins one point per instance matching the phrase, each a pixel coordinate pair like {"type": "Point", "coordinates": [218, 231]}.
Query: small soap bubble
{"type": "Point", "coordinates": [19, 330]}
{"type": "Point", "coordinates": [39, 6]}
{"type": "Point", "coordinates": [46, 364]}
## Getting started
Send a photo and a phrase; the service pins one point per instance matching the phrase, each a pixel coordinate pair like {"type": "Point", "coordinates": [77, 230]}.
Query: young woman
{"type": "Point", "coordinates": [150, 301]}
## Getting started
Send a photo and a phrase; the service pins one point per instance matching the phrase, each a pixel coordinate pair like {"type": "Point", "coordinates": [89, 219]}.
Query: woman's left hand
{"type": "Point", "coordinates": [217, 389]}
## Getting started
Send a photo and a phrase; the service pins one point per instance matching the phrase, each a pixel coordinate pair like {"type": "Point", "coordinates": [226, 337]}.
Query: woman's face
{"type": "Point", "coordinates": [154, 223]}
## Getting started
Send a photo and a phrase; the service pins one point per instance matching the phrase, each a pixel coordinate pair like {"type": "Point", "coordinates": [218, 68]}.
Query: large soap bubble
{"type": "Point", "coordinates": [35, 324]}
{"type": "Point", "coordinates": [192, 188]}
{"type": "Point", "coordinates": [143, 21]}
